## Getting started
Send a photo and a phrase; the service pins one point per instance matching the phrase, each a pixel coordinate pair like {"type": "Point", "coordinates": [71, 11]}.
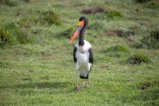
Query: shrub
{"type": "Point", "coordinates": [114, 15]}
{"type": "Point", "coordinates": [41, 17]}
{"type": "Point", "coordinates": [66, 33]}
{"type": "Point", "coordinates": [27, 1]}
{"type": "Point", "coordinates": [8, 2]}
{"type": "Point", "coordinates": [117, 48]}
{"type": "Point", "coordinates": [23, 36]}
{"type": "Point", "coordinates": [142, 1]}
{"type": "Point", "coordinates": [8, 33]}
{"type": "Point", "coordinates": [153, 4]}
{"type": "Point", "coordinates": [121, 33]}
{"type": "Point", "coordinates": [116, 51]}
{"type": "Point", "coordinates": [11, 33]}
{"type": "Point", "coordinates": [52, 17]}
{"type": "Point", "coordinates": [138, 45]}
{"type": "Point", "coordinates": [26, 22]}
{"type": "Point", "coordinates": [138, 59]}
{"type": "Point", "coordinates": [93, 10]}
{"type": "Point", "coordinates": [151, 40]}
{"type": "Point", "coordinates": [97, 25]}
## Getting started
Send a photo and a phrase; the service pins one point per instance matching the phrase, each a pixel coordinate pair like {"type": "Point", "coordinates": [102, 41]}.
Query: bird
{"type": "Point", "coordinates": [82, 52]}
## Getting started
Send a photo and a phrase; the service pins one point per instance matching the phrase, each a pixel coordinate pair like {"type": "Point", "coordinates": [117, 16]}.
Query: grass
{"type": "Point", "coordinates": [151, 39]}
{"type": "Point", "coordinates": [42, 72]}
{"type": "Point", "coordinates": [138, 59]}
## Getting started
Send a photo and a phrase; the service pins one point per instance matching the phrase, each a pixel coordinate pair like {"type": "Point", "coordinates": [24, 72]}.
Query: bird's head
{"type": "Point", "coordinates": [83, 22]}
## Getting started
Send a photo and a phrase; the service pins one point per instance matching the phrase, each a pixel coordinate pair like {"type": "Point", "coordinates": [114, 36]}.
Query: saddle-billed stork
{"type": "Point", "coordinates": [82, 53]}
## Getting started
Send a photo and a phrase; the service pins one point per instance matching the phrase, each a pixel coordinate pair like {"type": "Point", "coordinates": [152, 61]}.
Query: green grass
{"type": "Point", "coordinates": [41, 71]}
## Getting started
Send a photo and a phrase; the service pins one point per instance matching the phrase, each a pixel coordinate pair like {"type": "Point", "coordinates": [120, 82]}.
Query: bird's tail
{"type": "Point", "coordinates": [84, 75]}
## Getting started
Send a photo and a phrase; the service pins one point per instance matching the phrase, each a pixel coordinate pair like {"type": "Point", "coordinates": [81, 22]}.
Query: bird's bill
{"type": "Point", "coordinates": [74, 36]}
{"type": "Point", "coordinates": [76, 33]}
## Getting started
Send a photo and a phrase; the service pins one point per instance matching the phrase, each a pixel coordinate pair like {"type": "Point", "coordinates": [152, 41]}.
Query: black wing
{"type": "Point", "coordinates": [74, 54]}
{"type": "Point", "coordinates": [90, 55]}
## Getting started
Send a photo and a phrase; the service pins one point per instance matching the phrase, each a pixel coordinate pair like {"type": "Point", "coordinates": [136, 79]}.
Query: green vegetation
{"type": "Point", "coordinates": [67, 33]}
{"type": "Point", "coordinates": [142, 1]}
{"type": "Point", "coordinates": [114, 15]}
{"type": "Point", "coordinates": [9, 2]}
{"type": "Point", "coordinates": [51, 17]}
{"type": "Point", "coordinates": [116, 51]}
{"type": "Point", "coordinates": [138, 58]}
{"type": "Point", "coordinates": [36, 65]}
{"type": "Point", "coordinates": [151, 40]}
{"type": "Point", "coordinates": [12, 34]}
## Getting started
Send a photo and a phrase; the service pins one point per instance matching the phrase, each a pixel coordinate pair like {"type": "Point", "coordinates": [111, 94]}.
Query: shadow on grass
{"type": "Point", "coordinates": [39, 85]}
{"type": "Point", "coordinates": [44, 85]}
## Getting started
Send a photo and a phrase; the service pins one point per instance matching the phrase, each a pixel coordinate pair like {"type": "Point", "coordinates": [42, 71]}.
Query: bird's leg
{"type": "Point", "coordinates": [88, 81]}
{"type": "Point", "coordinates": [77, 86]}
{"type": "Point", "coordinates": [89, 68]}
{"type": "Point", "coordinates": [86, 84]}
{"type": "Point", "coordinates": [76, 78]}
{"type": "Point", "coordinates": [83, 84]}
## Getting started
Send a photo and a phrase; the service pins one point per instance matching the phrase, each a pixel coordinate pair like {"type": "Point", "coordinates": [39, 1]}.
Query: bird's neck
{"type": "Point", "coordinates": [81, 38]}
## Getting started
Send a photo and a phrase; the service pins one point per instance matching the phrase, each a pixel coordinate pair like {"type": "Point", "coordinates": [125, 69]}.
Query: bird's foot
{"type": "Point", "coordinates": [85, 85]}
{"type": "Point", "coordinates": [77, 88]}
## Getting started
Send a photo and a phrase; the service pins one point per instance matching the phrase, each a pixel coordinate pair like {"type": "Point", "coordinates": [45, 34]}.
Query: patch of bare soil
{"type": "Point", "coordinates": [93, 10]}
{"type": "Point", "coordinates": [121, 33]}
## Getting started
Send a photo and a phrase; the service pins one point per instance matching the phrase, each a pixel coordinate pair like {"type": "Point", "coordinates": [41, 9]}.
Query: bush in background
{"type": "Point", "coordinates": [138, 58]}
{"type": "Point", "coordinates": [142, 1]}
{"type": "Point", "coordinates": [51, 17]}
{"type": "Point", "coordinates": [114, 14]}
{"type": "Point", "coordinates": [10, 34]}
{"type": "Point", "coordinates": [153, 4]}
{"type": "Point", "coordinates": [8, 2]}
{"type": "Point", "coordinates": [151, 39]}
{"type": "Point", "coordinates": [67, 33]}
{"type": "Point", "coordinates": [116, 51]}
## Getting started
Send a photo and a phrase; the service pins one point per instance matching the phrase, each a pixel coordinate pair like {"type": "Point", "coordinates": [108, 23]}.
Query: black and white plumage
{"type": "Point", "coordinates": [82, 53]}
{"type": "Point", "coordinates": [83, 57]}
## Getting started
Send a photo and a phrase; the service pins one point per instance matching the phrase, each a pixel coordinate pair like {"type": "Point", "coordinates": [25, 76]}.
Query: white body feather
{"type": "Point", "coordinates": [82, 55]}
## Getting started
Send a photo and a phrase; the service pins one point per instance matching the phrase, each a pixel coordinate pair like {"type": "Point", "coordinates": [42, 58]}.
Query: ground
{"type": "Point", "coordinates": [38, 68]}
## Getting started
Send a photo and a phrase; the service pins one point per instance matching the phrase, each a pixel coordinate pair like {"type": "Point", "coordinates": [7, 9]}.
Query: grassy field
{"type": "Point", "coordinates": [36, 63]}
